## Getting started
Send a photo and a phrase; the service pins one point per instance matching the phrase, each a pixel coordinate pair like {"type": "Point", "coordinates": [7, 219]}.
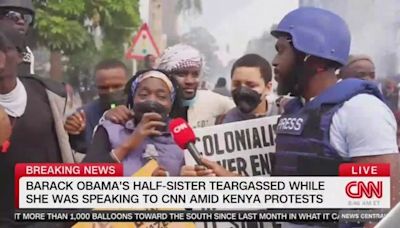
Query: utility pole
{"type": "Point", "coordinates": [155, 23]}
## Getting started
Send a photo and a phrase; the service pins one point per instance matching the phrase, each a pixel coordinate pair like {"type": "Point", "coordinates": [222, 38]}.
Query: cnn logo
{"type": "Point", "coordinates": [358, 189]}
{"type": "Point", "coordinates": [180, 127]}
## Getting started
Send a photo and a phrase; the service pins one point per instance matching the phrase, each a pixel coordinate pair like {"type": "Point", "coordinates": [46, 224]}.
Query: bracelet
{"type": "Point", "coordinates": [114, 156]}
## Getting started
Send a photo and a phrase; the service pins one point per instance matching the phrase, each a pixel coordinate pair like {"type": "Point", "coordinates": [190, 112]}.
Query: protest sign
{"type": "Point", "coordinates": [243, 147]}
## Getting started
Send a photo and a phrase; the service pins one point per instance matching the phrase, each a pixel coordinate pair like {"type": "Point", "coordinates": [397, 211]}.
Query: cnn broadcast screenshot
{"type": "Point", "coordinates": [199, 113]}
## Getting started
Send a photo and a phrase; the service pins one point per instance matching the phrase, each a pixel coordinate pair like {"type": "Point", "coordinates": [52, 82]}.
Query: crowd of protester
{"type": "Point", "coordinates": [317, 79]}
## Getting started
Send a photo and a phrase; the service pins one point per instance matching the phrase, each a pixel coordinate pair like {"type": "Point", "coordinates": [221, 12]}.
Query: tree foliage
{"type": "Point", "coordinates": [60, 26]}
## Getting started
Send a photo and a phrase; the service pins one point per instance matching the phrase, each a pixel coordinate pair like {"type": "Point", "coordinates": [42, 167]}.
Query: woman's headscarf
{"type": "Point", "coordinates": [154, 74]}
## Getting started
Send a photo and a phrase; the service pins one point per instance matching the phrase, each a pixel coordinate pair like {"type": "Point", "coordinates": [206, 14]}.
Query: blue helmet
{"type": "Point", "coordinates": [317, 32]}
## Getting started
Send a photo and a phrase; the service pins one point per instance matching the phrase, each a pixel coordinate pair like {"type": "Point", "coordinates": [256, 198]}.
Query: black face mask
{"type": "Point", "coordinates": [141, 108]}
{"type": "Point", "coordinates": [246, 99]}
{"type": "Point", "coordinates": [112, 99]}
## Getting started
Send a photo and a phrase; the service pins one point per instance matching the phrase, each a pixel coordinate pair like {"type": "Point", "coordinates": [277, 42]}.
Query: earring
{"type": "Point", "coordinates": [306, 58]}
{"type": "Point", "coordinates": [4, 147]}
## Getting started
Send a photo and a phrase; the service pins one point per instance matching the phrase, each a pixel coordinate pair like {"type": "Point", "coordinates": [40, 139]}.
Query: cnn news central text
{"type": "Point", "coordinates": [202, 215]}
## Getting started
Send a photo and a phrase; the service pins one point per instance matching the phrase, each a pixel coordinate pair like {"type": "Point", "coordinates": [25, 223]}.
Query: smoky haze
{"type": "Point", "coordinates": [242, 26]}
{"type": "Point", "coordinates": [232, 23]}
{"type": "Point", "coordinates": [374, 26]}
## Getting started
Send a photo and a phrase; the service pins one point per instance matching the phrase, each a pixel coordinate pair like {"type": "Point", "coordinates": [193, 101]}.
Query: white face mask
{"type": "Point", "coordinates": [14, 102]}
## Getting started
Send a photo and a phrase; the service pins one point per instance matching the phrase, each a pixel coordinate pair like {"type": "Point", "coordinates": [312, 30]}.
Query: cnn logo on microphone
{"type": "Point", "coordinates": [180, 127]}
{"type": "Point", "coordinates": [360, 189]}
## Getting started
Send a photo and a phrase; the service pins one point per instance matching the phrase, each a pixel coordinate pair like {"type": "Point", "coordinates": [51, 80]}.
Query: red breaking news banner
{"type": "Point", "coordinates": [358, 186]}
{"type": "Point", "coordinates": [63, 170]}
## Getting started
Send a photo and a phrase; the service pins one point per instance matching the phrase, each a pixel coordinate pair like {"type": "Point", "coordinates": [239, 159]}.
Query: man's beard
{"type": "Point", "coordinates": [297, 81]}
{"type": "Point", "coordinates": [287, 85]}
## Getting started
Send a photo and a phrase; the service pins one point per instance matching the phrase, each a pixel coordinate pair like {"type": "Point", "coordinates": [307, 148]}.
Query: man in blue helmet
{"type": "Point", "coordinates": [328, 122]}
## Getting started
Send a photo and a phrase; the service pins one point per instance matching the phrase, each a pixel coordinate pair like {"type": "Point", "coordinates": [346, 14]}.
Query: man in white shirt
{"type": "Point", "coordinates": [328, 122]}
{"type": "Point", "coordinates": [352, 120]}
{"type": "Point", "coordinates": [200, 107]}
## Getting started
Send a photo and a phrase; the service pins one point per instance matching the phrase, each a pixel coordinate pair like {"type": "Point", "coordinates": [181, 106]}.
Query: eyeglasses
{"type": "Point", "coordinates": [16, 16]}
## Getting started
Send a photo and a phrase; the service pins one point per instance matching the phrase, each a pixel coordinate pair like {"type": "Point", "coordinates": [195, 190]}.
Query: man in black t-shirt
{"type": "Point", "coordinates": [35, 110]}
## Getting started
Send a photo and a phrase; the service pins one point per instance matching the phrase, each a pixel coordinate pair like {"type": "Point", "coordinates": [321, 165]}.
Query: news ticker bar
{"type": "Point", "coordinates": [200, 216]}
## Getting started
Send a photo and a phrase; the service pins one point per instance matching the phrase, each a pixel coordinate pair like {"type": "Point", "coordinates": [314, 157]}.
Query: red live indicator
{"type": "Point", "coordinates": [364, 170]}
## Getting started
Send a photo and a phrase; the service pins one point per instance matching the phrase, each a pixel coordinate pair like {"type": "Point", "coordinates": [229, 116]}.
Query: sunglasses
{"type": "Point", "coordinates": [16, 16]}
